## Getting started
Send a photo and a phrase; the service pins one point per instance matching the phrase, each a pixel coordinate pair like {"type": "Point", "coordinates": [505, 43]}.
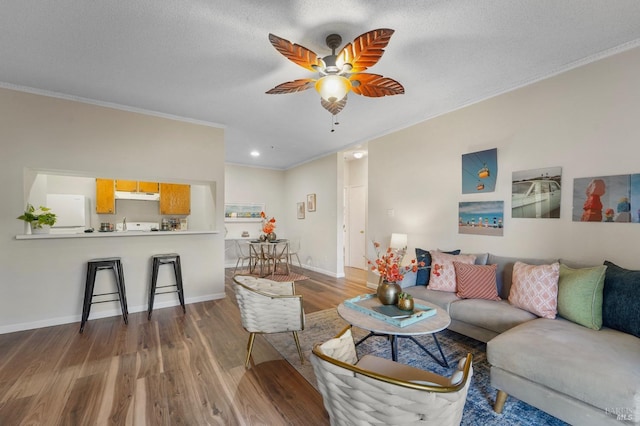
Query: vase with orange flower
{"type": "Point", "coordinates": [268, 226]}
{"type": "Point", "coordinates": [388, 267]}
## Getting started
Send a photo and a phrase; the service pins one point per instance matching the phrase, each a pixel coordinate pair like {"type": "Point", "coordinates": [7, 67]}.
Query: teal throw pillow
{"type": "Point", "coordinates": [621, 299]}
{"type": "Point", "coordinates": [580, 295]}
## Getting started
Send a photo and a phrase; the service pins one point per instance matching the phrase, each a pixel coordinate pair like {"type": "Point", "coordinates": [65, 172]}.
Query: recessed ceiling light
{"type": "Point", "coordinates": [255, 154]}
{"type": "Point", "coordinates": [358, 154]}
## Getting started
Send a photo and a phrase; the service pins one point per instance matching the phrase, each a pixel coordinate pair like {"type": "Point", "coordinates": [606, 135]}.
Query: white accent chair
{"type": "Point", "coordinates": [379, 391]}
{"type": "Point", "coordinates": [268, 306]}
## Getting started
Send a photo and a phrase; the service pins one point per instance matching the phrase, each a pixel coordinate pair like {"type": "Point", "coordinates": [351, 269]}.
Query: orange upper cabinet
{"type": "Point", "coordinates": [126, 185]}
{"type": "Point", "coordinates": [149, 187]}
{"type": "Point", "coordinates": [105, 196]}
{"type": "Point", "coordinates": [135, 186]}
{"type": "Point", "coordinates": [175, 199]}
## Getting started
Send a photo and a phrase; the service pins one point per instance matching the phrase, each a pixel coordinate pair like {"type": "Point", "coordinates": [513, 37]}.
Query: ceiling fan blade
{"type": "Point", "coordinates": [294, 52]}
{"type": "Point", "coordinates": [334, 107]}
{"type": "Point", "coordinates": [366, 49]}
{"type": "Point", "coordinates": [292, 86]}
{"type": "Point", "coordinates": [375, 85]}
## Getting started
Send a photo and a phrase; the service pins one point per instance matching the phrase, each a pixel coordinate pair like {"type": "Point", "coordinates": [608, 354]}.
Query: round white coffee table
{"type": "Point", "coordinates": [376, 327]}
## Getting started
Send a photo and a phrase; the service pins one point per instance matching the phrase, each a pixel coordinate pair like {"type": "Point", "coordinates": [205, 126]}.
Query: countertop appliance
{"type": "Point", "coordinates": [138, 226]}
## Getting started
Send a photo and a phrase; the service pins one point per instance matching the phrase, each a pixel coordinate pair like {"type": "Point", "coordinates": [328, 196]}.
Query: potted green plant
{"type": "Point", "coordinates": [39, 220]}
{"type": "Point", "coordinates": [405, 301]}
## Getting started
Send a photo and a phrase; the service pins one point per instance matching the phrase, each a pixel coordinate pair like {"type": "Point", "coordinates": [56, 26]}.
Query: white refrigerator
{"type": "Point", "coordinates": [70, 210]}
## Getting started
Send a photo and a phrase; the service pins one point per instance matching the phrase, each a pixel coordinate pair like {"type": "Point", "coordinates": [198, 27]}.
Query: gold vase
{"type": "Point", "coordinates": [388, 292]}
{"type": "Point", "coordinates": [405, 304]}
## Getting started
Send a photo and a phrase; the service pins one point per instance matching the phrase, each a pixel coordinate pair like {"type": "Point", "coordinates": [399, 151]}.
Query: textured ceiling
{"type": "Point", "coordinates": [211, 60]}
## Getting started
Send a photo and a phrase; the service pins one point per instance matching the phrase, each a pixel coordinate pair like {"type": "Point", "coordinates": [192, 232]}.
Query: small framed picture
{"type": "Point", "coordinates": [301, 210]}
{"type": "Point", "coordinates": [311, 202]}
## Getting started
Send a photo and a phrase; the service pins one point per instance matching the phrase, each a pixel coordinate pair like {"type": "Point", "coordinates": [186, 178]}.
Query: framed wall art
{"type": "Point", "coordinates": [481, 218]}
{"type": "Point", "coordinates": [301, 210]}
{"type": "Point", "coordinates": [607, 199]}
{"type": "Point", "coordinates": [479, 171]}
{"type": "Point", "coordinates": [243, 212]}
{"type": "Point", "coordinates": [536, 193]}
{"type": "Point", "coordinates": [311, 202]}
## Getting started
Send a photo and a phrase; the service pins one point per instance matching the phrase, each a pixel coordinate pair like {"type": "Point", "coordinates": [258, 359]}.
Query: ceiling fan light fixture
{"type": "Point", "coordinates": [339, 73]}
{"type": "Point", "coordinates": [333, 88]}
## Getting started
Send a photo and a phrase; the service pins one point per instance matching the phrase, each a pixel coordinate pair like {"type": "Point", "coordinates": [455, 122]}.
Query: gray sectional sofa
{"type": "Point", "coordinates": [577, 374]}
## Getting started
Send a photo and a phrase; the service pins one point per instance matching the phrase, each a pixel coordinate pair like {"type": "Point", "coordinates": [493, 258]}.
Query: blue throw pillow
{"type": "Point", "coordinates": [621, 299]}
{"type": "Point", "coordinates": [423, 275]}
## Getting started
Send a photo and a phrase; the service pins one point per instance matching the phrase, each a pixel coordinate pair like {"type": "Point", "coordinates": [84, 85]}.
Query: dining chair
{"type": "Point", "coordinates": [279, 256]}
{"type": "Point", "coordinates": [294, 248]}
{"type": "Point", "coordinates": [242, 254]}
{"type": "Point", "coordinates": [257, 257]}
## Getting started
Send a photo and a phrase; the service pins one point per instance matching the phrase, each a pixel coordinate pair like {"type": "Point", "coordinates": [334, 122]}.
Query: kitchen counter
{"type": "Point", "coordinates": [97, 234]}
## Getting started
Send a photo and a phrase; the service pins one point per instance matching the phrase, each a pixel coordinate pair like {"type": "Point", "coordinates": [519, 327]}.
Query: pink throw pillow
{"type": "Point", "coordinates": [443, 274]}
{"type": "Point", "coordinates": [535, 288]}
{"type": "Point", "coordinates": [476, 281]}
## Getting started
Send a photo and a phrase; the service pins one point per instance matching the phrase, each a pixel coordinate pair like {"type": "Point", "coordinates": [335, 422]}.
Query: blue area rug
{"type": "Point", "coordinates": [323, 325]}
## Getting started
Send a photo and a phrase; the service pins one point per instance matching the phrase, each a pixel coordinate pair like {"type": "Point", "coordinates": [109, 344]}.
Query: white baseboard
{"type": "Point", "coordinates": [325, 272]}
{"type": "Point", "coordinates": [104, 314]}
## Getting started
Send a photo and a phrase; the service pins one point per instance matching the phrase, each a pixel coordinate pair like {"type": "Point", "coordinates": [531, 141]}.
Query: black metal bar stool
{"type": "Point", "coordinates": [93, 266]}
{"type": "Point", "coordinates": [166, 259]}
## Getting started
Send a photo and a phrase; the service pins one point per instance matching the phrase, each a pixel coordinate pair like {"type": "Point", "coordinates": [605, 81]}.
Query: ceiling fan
{"type": "Point", "coordinates": [341, 73]}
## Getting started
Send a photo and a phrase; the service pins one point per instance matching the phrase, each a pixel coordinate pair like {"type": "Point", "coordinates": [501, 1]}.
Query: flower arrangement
{"type": "Point", "coordinates": [38, 218]}
{"type": "Point", "coordinates": [268, 223]}
{"type": "Point", "coordinates": [388, 265]}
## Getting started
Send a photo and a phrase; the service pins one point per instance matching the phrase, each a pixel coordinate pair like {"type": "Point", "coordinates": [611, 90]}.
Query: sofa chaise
{"type": "Point", "coordinates": [571, 367]}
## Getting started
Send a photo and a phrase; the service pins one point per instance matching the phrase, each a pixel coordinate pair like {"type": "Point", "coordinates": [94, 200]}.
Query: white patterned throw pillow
{"type": "Point", "coordinates": [535, 288]}
{"type": "Point", "coordinates": [443, 274]}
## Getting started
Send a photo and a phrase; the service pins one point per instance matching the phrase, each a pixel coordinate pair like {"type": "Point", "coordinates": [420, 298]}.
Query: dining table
{"type": "Point", "coordinates": [267, 255]}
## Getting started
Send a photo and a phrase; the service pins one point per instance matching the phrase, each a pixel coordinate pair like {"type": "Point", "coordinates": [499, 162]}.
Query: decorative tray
{"type": "Point", "coordinates": [370, 305]}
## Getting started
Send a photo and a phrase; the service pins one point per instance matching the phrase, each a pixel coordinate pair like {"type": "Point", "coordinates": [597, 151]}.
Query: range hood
{"type": "Point", "coordinates": [144, 196]}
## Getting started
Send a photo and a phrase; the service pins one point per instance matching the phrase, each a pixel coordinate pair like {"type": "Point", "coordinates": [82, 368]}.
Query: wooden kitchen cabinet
{"type": "Point", "coordinates": [105, 196]}
{"type": "Point", "coordinates": [149, 187]}
{"type": "Point", "coordinates": [175, 199]}
{"type": "Point", "coordinates": [126, 185]}
{"type": "Point", "coordinates": [137, 186]}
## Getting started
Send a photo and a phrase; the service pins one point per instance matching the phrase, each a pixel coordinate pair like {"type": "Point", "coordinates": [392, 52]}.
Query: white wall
{"type": "Point", "coordinates": [320, 239]}
{"type": "Point", "coordinates": [255, 185]}
{"type": "Point", "coordinates": [320, 232]}
{"type": "Point", "coordinates": [585, 120]}
{"type": "Point", "coordinates": [43, 280]}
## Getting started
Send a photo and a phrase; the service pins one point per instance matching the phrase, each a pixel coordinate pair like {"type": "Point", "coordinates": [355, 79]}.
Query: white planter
{"type": "Point", "coordinates": [42, 230]}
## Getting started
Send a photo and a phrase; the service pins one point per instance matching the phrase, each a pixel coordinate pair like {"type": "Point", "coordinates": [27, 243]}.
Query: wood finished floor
{"type": "Point", "coordinates": [175, 369]}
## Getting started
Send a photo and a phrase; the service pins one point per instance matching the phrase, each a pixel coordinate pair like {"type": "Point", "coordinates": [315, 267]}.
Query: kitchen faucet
{"type": "Point", "coordinates": [124, 223]}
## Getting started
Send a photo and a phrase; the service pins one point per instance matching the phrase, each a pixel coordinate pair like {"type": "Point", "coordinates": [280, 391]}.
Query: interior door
{"type": "Point", "coordinates": [356, 223]}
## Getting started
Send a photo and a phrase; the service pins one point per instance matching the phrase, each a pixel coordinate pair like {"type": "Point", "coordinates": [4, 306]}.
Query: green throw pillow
{"type": "Point", "coordinates": [580, 295]}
